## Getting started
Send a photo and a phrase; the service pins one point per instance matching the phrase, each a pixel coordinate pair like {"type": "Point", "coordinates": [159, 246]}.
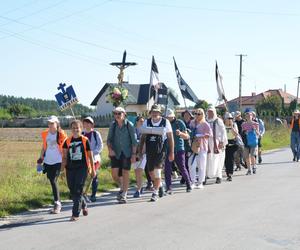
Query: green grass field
{"type": "Point", "coordinates": [21, 188]}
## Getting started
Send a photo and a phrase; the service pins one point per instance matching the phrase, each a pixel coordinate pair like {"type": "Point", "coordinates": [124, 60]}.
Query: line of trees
{"type": "Point", "coordinates": [13, 107]}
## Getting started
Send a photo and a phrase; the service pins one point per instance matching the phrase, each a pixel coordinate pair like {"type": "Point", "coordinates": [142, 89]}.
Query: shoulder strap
{"type": "Point", "coordinates": [149, 123]}
{"type": "Point", "coordinates": [95, 137]}
{"type": "Point", "coordinates": [163, 122]}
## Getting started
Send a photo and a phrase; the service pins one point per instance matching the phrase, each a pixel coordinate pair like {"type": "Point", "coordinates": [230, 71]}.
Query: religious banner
{"type": "Point", "coordinates": [66, 98]}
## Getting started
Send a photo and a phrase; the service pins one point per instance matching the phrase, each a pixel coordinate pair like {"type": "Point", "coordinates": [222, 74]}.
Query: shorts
{"type": "Point", "coordinates": [122, 163]}
{"type": "Point", "coordinates": [141, 163]}
{"type": "Point", "coordinates": [250, 151]}
{"type": "Point", "coordinates": [155, 161]}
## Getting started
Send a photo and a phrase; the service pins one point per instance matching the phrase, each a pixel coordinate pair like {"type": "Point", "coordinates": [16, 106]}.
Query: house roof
{"type": "Point", "coordinates": [137, 93]}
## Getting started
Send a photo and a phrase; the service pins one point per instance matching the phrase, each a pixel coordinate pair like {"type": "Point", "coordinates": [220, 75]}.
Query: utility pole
{"type": "Point", "coordinates": [297, 92]}
{"type": "Point", "coordinates": [240, 81]}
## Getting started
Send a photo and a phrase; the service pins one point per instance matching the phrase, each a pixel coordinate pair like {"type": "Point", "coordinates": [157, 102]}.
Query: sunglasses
{"type": "Point", "coordinates": [198, 113]}
{"type": "Point", "coordinates": [118, 113]}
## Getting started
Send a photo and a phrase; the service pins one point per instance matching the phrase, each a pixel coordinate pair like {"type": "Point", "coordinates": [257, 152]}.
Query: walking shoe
{"type": "Point", "coordinates": [229, 178]}
{"type": "Point", "coordinates": [169, 191]}
{"type": "Point", "coordinates": [189, 189]}
{"type": "Point", "coordinates": [149, 186]}
{"type": "Point", "coordinates": [56, 209]}
{"type": "Point", "coordinates": [93, 198]}
{"type": "Point", "coordinates": [182, 181]}
{"type": "Point", "coordinates": [119, 195]}
{"type": "Point", "coordinates": [238, 168]}
{"type": "Point", "coordinates": [294, 159]}
{"type": "Point", "coordinates": [254, 170]}
{"type": "Point", "coordinates": [192, 186]}
{"type": "Point", "coordinates": [73, 218]}
{"type": "Point", "coordinates": [205, 181]}
{"type": "Point", "coordinates": [297, 158]}
{"type": "Point", "coordinates": [259, 159]}
{"type": "Point", "coordinates": [218, 180]}
{"type": "Point", "coordinates": [154, 197]}
{"type": "Point", "coordinates": [123, 199]}
{"type": "Point", "coordinates": [161, 192]}
{"type": "Point", "coordinates": [85, 211]}
{"type": "Point", "coordinates": [199, 186]}
{"type": "Point", "coordinates": [137, 194]}
{"type": "Point", "coordinates": [249, 172]}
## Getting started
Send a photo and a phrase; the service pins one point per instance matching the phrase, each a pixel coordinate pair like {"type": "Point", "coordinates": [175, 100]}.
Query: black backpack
{"type": "Point", "coordinates": [154, 143]}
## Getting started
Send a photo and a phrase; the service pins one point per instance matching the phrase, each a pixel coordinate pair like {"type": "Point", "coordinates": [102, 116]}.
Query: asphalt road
{"type": "Point", "coordinates": [261, 211]}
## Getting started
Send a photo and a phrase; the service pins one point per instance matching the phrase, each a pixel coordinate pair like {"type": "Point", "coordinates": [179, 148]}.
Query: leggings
{"type": "Point", "coordinates": [53, 172]}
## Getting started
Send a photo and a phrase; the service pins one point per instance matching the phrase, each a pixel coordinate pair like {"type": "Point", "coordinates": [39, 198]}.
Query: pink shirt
{"type": "Point", "coordinates": [201, 131]}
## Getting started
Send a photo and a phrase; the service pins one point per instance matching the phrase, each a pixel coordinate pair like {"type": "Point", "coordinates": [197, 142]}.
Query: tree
{"type": "Point", "coordinates": [293, 106]}
{"type": "Point", "coordinates": [202, 104]}
{"type": "Point", "coordinates": [272, 104]}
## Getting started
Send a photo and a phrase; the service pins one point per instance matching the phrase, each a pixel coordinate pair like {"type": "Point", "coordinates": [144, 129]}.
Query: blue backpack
{"type": "Point", "coordinates": [252, 140]}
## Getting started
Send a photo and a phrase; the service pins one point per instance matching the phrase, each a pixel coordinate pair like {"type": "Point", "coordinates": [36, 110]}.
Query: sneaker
{"type": "Point", "coordinates": [169, 191]}
{"type": "Point", "coordinates": [73, 218]}
{"type": "Point", "coordinates": [123, 199]}
{"type": "Point", "coordinates": [254, 170]}
{"type": "Point", "coordinates": [149, 187]}
{"type": "Point", "coordinates": [56, 209]}
{"type": "Point", "coordinates": [154, 197]}
{"type": "Point", "coordinates": [205, 181]}
{"type": "Point", "coordinates": [93, 198]}
{"type": "Point", "coordinates": [259, 159]}
{"type": "Point", "coordinates": [229, 178]}
{"type": "Point", "coordinates": [161, 192]}
{"type": "Point", "coordinates": [137, 194]}
{"type": "Point", "coordinates": [218, 180]}
{"type": "Point", "coordinates": [189, 189]}
{"type": "Point", "coordinates": [199, 186]}
{"type": "Point", "coordinates": [182, 181]}
{"type": "Point", "coordinates": [119, 195]}
{"type": "Point", "coordinates": [85, 212]}
{"type": "Point", "coordinates": [249, 172]}
{"type": "Point", "coordinates": [294, 159]}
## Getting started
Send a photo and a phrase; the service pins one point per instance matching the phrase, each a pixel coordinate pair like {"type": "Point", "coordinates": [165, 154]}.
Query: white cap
{"type": "Point", "coordinates": [89, 119]}
{"type": "Point", "coordinates": [170, 113]}
{"type": "Point", "coordinates": [228, 116]}
{"type": "Point", "coordinates": [120, 109]}
{"type": "Point", "coordinates": [53, 119]}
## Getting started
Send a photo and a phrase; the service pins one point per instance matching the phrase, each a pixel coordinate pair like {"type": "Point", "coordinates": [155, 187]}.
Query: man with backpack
{"type": "Point", "coordinates": [121, 143]}
{"type": "Point", "coordinates": [157, 132]}
{"type": "Point", "coordinates": [250, 134]}
{"type": "Point", "coordinates": [262, 130]}
{"type": "Point", "coordinates": [179, 134]}
{"type": "Point", "coordinates": [96, 144]}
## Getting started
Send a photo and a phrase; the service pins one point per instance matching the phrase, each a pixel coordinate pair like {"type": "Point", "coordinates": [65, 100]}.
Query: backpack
{"type": "Point", "coordinates": [94, 135]}
{"type": "Point", "coordinates": [252, 140]}
{"type": "Point", "coordinates": [154, 143]}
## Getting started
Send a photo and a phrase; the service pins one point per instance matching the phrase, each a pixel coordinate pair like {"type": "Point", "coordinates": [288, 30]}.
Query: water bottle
{"type": "Point", "coordinates": [39, 168]}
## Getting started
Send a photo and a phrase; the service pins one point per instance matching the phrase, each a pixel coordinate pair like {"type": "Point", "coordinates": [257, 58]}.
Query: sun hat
{"type": "Point", "coordinates": [228, 116]}
{"type": "Point", "coordinates": [155, 108]}
{"type": "Point", "coordinates": [53, 119]}
{"type": "Point", "coordinates": [120, 109]}
{"type": "Point", "coordinates": [88, 119]}
{"type": "Point", "coordinates": [170, 113]}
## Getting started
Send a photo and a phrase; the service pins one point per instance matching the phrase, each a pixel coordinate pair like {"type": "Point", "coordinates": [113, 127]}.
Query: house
{"type": "Point", "coordinates": [137, 102]}
{"type": "Point", "coordinates": [249, 102]}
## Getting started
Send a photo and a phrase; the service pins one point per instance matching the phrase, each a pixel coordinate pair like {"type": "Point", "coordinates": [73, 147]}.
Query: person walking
{"type": "Point", "coordinates": [231, 147]}
{"type": "Point", "coordinates": [78, 162]}
{"type": "Point", "coordinates": [51, 157]}
{"type": "Point", "coordinates": [122, 145]}
{"type": "Point", "coordinates": [201, 132]}
{"type": "Point", "coordinates": [295, 135]}
{"type": "Point", "coordinates": [239, 153]}
{"type": "Point", "coordinates": [262, 130]}
{"type": "Point", "coordinates": [179, 134]}
{"type": "Point", "coordinates": [216, 143]}
{"type": "Point", "coordinates": [157, 132]}
{"type": "Point", "coordinates": [140, 164]}
{"type": "Point", "coordinates": [96, 144]}
{"type": "Point", "coordinates": [250, 132]}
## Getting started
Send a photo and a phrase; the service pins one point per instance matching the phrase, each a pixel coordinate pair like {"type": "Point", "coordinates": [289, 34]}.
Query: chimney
{"type": "Point", "coordinates": [253, 94]}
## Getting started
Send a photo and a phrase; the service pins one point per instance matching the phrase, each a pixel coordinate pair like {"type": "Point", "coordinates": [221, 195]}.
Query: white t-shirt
{"type": "Point", "coordinates": [167, 129]}
{"type": "Point", "coordinates": [53, 154]}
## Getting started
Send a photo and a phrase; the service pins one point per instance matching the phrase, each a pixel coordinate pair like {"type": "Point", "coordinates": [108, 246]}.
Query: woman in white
{"type": "Point", "coordinates": [201, 131]}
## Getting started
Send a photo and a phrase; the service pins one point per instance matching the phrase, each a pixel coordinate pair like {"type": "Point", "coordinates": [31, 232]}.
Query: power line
{"type": "Point", "coordinates": [20, 7]}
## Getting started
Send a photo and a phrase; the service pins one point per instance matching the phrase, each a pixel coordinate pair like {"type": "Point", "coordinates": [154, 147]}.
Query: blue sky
{"type": "Point", "coordinates": [45, 42]}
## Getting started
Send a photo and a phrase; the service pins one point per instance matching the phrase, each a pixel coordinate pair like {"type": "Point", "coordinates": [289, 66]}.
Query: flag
{"type": "Point", "coordinates": [185, 89]}
{"type": "Point", "coordinates": [154, 80]}
{"type": "Point", "coordinates": [220, 89]}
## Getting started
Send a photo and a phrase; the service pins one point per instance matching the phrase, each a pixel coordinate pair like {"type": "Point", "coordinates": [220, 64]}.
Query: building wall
{"type": "Point", "coordinates": [103, 107]}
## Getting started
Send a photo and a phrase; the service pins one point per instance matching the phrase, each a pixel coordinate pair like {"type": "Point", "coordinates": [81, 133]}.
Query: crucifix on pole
{"type": "Point", "coordinates": [122, 65]}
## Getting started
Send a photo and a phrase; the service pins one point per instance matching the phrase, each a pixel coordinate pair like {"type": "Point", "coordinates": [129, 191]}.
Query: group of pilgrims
{"type": "Point", "coordinates": [196, 146]}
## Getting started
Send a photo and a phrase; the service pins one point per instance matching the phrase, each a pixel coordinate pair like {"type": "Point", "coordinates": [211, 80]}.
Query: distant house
{"type": "Point", "coordinates": [138, 95]}
{"type": "Point", "coordinates": [250, 101]}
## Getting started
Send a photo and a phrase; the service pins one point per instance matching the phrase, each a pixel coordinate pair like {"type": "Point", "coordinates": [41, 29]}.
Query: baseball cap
{"type": "Point", "coordinates": [170, 113]}
{"type": "Point", "coordinates": [120, 109]}
{"type": "Point", "coordinates": [89, 119]}
{"type": "Point", "coordinates": [53, 119]}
